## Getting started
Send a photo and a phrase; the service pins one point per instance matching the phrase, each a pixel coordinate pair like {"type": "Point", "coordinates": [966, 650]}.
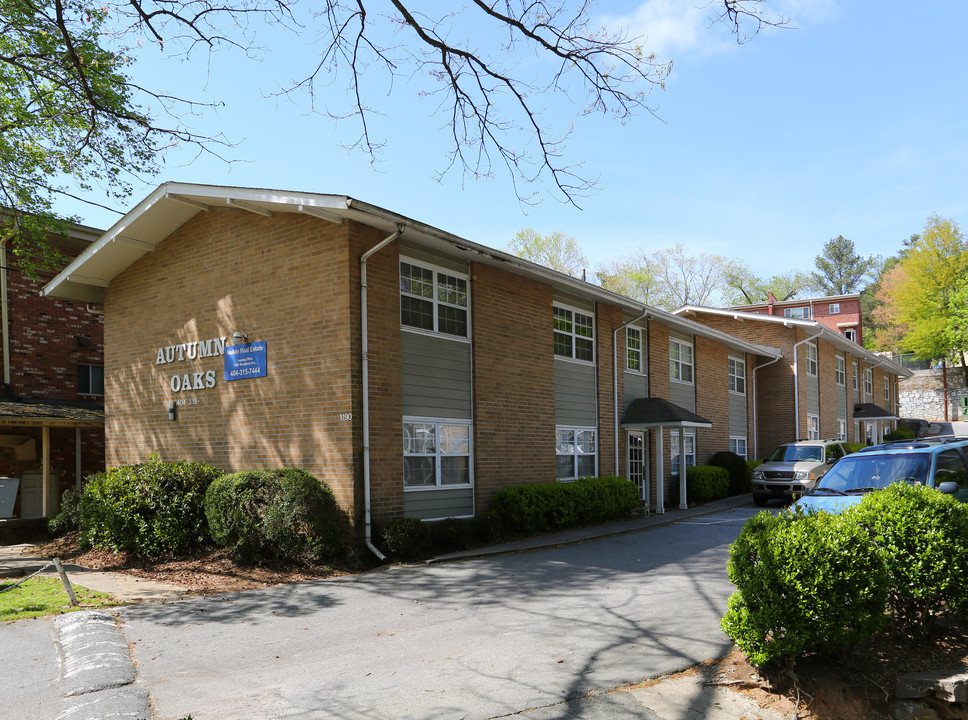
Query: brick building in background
{"type": "Point", "coordinates": [840, 313]}
{"type": "Point", "coordinates": [52, 389]}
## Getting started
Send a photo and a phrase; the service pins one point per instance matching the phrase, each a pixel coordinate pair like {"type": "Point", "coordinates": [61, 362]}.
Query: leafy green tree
{"type": "Point", "coordinates": [632, 276]}
{"type": "Point", "coordinates": [743, 287]}
{"type": "Point", "coordinates": [558, 251]}
{"type": "Point", "coordinates": [924, 291]}
{"type": "Point", "coordinates": [840, 270]}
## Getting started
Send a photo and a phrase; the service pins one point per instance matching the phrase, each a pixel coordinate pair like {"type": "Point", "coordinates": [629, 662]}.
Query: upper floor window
{"type": "Point", "coordinates": [834, 309]}
{"type": "Point", "coordinates": [801, 313]}
{"type": "Point", "coordinates": [633, 349]}
{"type": "Point", "coordinates": [868, 383]}
{"type": "Point", "coordinates": [737, 376]}
{"type": "Point", "coordinates": [887, 389]}
{"type": "Point", "coordinates": [850, 334]}
{"type": "Point", "coordinates": [680, 361]}
{"type": "Point", "coordinates": [855, 376]}
{"type": "Point", "coordinates": [433, 299]}
{"type": "Point", "coordinates": [841, 372]}
{"type": "Point", "coordinates": [574, 334]}
{"type": "Point", "coordinates": [90, 379]}
{"type": "Point", "coordinates": [811, 359]}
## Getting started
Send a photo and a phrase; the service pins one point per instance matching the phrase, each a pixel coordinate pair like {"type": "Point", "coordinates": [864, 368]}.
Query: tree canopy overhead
{"type": "Point", "coordinates": [840, 270]}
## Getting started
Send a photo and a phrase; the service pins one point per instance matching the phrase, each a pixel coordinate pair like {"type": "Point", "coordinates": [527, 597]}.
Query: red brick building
{"type": "Point", "coordinates": [840, 313]}
{"type": "Point", "coordinates": [52, 391]}
{"type": "Point", "coordinates": [415, 371]}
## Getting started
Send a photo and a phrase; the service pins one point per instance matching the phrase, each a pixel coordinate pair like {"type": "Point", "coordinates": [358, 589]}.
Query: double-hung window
{"type": "Point", "coordinates": [436, 453]}
{"type": "Point", "coordinates": [842, 430]}
{"type": "Point", "coordinates": [811, 359]}
{"type": "Point", "coordinates": [433, 299]}
{"type": "Point", "coordinates": [841, 372]}
{"type": "Point", "coordinates": [737, 376]}
{"type": "Point", "coordinates": [575, 452]}
{"type": "Point", "coordinates": [813, 427]}
{"type": "Point", "coordinates": [633, 350]}
{"type": "Point", "coordinates": [680, 361]}
{"type": "Point", "coordinates": [834, 309]}
{"type": "Point", "coordinates": [800, 313]}
{"type": "Point", "coordinates": [690, 450]}
{"type": "Point", "coordinates": [574, 334]}
{"type": "Point", "coordinates": [738, 445]}
{"type": "Point", "coordinates": [855, 376]}
{"type": "Point", "coordinates": [887, 389]}
{"type": "Point", "coordinates": [868, 384]}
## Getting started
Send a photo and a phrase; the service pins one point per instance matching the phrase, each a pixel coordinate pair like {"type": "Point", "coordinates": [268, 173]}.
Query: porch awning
{"type": "Point", "coordinates": [870, 411]}
{"type": "Point", "coordinates": [29, 414]}
{"type": "Point", "coordinates": [653, 412]}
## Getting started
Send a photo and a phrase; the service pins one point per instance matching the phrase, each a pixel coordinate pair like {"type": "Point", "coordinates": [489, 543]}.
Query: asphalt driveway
{"type": "Point", "coordinates": [481, 638]}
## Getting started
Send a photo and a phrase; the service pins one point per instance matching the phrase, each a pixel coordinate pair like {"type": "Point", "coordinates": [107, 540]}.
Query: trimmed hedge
{"type": "Point", "coordinates": [805, 583]}
{"type": "Point", "coordinates": [703, 484]}
{"type": "Point", "coordinates": [923, 537]}
{"type": "Point", "coordinates": [740, 475]}
{"type": "Point", "coordinates": [68, 515]}
{"type": "Point", "coordinates": [270, 514]}
{"type": "Point", "coordinates": [153, 508]}
{"type": "Point", "coordinates": [545, 507]}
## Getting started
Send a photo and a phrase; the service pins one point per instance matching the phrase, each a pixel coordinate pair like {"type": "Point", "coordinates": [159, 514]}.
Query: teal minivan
{"type": "Point", "coordinates": [938, 462]}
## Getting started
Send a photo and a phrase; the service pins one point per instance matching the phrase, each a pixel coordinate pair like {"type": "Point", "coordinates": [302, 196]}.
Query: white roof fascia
{"type": "Point", "coordinates": [831, 336]}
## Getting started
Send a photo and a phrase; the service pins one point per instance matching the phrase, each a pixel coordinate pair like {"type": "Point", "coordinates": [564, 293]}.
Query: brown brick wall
{"type": "Point", "coordinates": [514, 390]}
{"type": "Point", "coordinates": [285, 280]}
{"type": "Point", "coordinates": [712, 397]}
{"type": "Point", "coordinates": [609, 317]}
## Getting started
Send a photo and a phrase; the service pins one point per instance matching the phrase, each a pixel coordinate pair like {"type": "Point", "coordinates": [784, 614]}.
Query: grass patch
{"type": "Point", "coordinates": [46, 596]}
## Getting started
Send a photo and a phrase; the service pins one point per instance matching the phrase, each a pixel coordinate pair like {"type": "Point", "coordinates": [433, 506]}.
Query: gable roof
{"type": "Point", "coordinates": [172, 204]}
{"type": "Point", "coordinates": [657, 412]}
{"type": "Point", "coordinates": [821, 331]}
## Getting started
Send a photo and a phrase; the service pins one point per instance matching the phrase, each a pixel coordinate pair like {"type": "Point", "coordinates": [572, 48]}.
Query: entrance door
{"type": "Point", "coordinates": [636, 460]}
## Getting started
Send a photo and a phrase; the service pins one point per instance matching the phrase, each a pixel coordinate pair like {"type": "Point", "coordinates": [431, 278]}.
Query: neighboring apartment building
{"type": "Point", "coordinates": [52, 394]}
{"type": "Point", "coordinates": [417, 372]}
{"type": "Point", "coordinates": [841, 313]}
{"type": "Point", "coordinates": [826, 386]}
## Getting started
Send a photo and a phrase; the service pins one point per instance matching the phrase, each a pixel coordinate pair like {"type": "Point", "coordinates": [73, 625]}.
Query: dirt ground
{"type": "Point", "coordinates": [859, 687]}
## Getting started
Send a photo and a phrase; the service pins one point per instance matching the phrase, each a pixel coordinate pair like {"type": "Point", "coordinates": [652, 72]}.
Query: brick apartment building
{"type": "Point", "coordinates": [413, 370]}
{"type": "Point", "coordinates": [826, 385]}
{"type": "Point", "coordinates": [841, 313]}
{"type": "Point", "coordinates": [51, 397]}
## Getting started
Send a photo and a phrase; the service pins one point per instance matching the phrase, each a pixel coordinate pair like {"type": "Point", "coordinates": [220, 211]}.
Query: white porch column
{"type": "Point", "coordinates": [682, 469]}
{"type": "Point", "coordinates": [660, 471]}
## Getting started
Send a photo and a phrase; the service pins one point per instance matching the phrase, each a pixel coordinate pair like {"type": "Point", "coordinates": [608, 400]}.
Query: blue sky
{"type": "Point", "coordinates": [853, 124]}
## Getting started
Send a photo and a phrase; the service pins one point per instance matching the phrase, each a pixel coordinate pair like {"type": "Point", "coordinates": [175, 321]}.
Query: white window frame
{"type": "Point", "coordinates": [736, 369]}
{"type": "Point", "coordinates": [841, 429]}
{"type": "Point", "coordinates": [813, 360]}
{"type": "Point", "coordinates": [638, 352]}
{"type": "Point", "coordinates": [813, 427]}
{"type": "Point", "coordinates": [868, 383]}
{"type": "Point", "coordinates": [674, 450]}
{"type": "Point", "coordinates": [438, 454]}
{"type": "Point", "coordinates": [677, 364]}
{"type": "Point", "coordinates": [850, 334]}
{"type": "Point", "coordinates": [887, 389]}
{"type": "Point", "coordinates": [855, 374]}
{"type": "Point", "coordinates": [561, 450]}
{"type": "Point", "coordinates": [737, 443]}
{"type": "Point", "coordinates": [571, 333]}
{"type": "Point", "coordinates": [797, 313]}
{"type": "Point", "coordinates": [840, 371]}
{"type": "Point", "coordinates": [436, 300]}
{"type": "Point", "coordinates": [94, 374]}
{"type": "Point", "coordinates": [834, 309]}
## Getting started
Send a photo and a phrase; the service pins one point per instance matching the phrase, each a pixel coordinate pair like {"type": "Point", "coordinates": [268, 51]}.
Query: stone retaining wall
{"type": "Point", "coordinates": [922, 395]}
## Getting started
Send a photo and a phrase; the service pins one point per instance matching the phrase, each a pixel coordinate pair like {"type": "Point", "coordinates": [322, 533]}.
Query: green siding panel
{"type": "Point", "coordinates": [737, 415]}
{"type": "Point", "coordinates": [683, 395]}
{"type": "Point", "coordinates": [436, 376]}
{"type": "Point", "coordinates": [575, 394]}
{"type": "Point", "coordinates": [636, 386]}
{"type": "Point", "coordinates": [813, 394]}
{"type": "Point", "coordinates": [439, 504]}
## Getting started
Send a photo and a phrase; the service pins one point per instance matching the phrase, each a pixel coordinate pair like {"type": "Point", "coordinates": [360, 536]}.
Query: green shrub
{"type": "Point", "coordinates": [545, 507]}
{"type": "Point", "coordinates": [153, 508]}
{"type": "Point", "coordinates": [703, 483]}
{"type": "Point", "coordinates": [739, 473]}
{"type": "Point", "coordinates": [805, 583]}
{"type": "Point", "coordinates": [923, 537]}
{"type": "Point", "coordinates": [264, 515]}
{"type": "Point", "coordinates": [406, 538]}
{"type": "Point", "coordinates": [68, 515]}
{"type": "Point", "coordinates": [751, 465]}
{"type": "Point", "coordinates": [854, 447]}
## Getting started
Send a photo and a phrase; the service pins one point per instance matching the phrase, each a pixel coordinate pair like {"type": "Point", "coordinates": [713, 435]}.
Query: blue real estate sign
{"type": "Point", "coordinates": [246, 360]}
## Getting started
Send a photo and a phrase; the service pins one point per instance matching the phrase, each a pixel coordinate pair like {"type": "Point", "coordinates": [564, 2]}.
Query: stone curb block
{"type": "Point", "coordinates": [116, 704]}
{"type": "Point", "coordinates": [94, 653]}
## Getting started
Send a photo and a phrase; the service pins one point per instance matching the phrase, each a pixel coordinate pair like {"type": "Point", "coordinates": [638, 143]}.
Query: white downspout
{"type": "Point", "coordinates": [367, 523]}
{"type": "Point", "coordinates": [643, 316]}
{"type": "Point", "coordinates": [756, 427]}
{"type": "Point", "coordinates": [796, 383]}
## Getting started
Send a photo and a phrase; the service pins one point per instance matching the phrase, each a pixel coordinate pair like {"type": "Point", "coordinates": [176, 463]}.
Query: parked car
{"type": "Point", "coordinates": [940, 463]}
{"type": "Point", "coordinates": [794, 468]}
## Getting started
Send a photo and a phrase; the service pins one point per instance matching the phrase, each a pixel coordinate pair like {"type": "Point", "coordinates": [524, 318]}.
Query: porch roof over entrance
{"type": "Point", "coordinates": [652, 412]}
{"type": "Point", "coordinates": [29, 414]}
{"type": "Point", "coordinates": [870, 411]}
